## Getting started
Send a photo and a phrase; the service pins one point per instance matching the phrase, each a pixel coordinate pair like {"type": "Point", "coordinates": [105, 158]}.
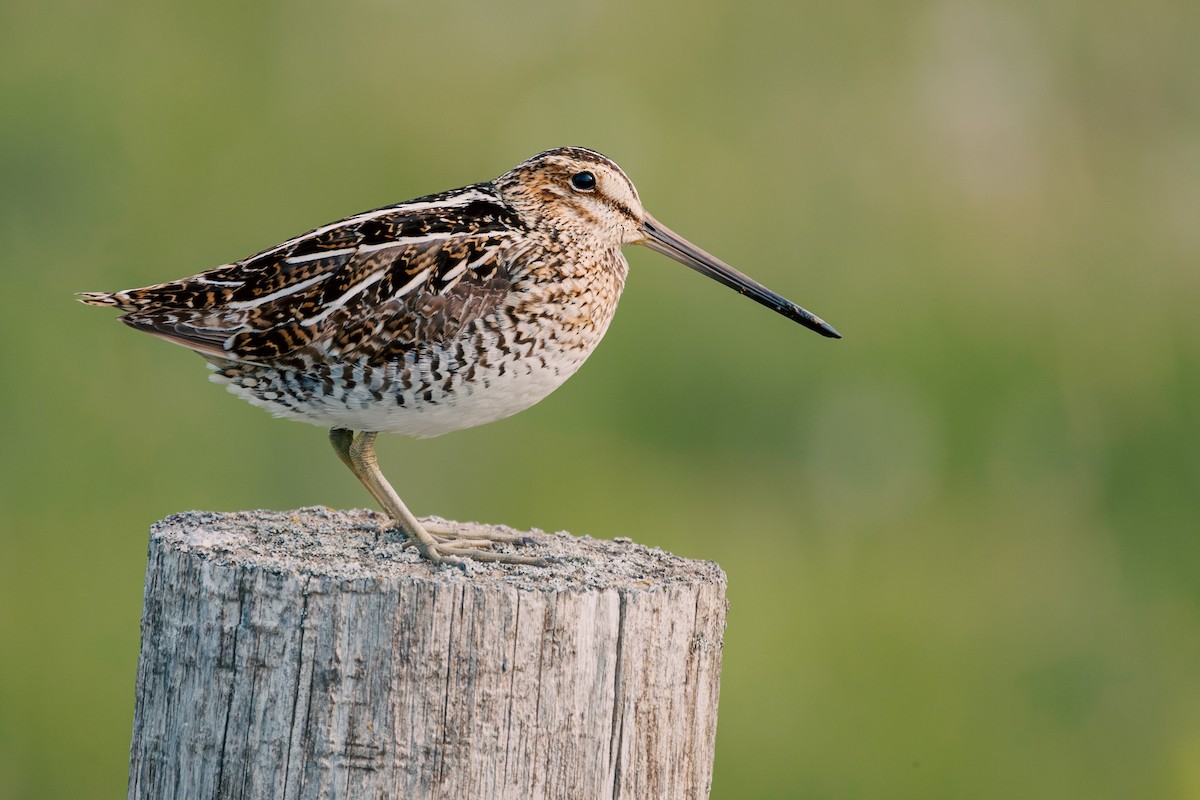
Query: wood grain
{"type": "Point", "coordinates": [309, 654]}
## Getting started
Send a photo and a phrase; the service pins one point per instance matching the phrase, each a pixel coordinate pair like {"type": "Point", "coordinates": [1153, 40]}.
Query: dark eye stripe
{"type": "Point", "coordinates": [618, 206]}
{"type": "Point", "coordinates": [626, 210]}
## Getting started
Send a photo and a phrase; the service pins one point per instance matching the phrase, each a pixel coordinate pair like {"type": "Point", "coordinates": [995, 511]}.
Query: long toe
{"type": "Point", "coordinates": [448, 553]}
{"type": "Point", "coordinates": [470, 531]}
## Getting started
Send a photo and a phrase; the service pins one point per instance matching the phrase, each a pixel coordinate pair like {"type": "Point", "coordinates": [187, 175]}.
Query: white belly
{"type": "Point", "coordinates": [412, 397]}
{"type": "Point", "coordinates": [502, 364]}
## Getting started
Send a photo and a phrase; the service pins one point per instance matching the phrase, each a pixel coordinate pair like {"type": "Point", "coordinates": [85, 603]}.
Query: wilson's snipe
{"type": "Point", "coordinates": [427, 316]}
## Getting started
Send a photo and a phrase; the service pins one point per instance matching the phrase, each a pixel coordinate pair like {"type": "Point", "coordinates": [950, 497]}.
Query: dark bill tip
{"type": "Point", "coordinates": [825, 329]}
{"type": "Point", "coordinates": [662, 239]}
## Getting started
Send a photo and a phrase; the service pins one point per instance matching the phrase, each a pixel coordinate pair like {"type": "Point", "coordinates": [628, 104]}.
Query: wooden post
{"type": "Point", "coordinates": [309, 654]}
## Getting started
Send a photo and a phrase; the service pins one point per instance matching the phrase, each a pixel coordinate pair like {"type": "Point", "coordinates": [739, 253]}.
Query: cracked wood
{"type": "Point", "coordinates": [309, 654]}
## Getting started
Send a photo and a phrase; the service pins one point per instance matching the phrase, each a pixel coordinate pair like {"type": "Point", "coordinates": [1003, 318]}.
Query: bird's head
{"type": "Point", "coordinates": [580, 193]}
{"type": "Point", "coordinates": [577, 191]}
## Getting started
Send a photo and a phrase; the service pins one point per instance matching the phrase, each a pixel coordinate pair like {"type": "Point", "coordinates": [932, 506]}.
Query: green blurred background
{"type": "Point", "coordinates": [962, 544]}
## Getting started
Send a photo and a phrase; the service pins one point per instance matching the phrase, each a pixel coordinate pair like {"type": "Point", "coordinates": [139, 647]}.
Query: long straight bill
{"type": "Point", "coordinates": [662, 239]}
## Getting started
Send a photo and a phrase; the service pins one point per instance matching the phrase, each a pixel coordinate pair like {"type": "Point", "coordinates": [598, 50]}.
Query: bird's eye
{"type": "Point", "coordinates": [583, 181]}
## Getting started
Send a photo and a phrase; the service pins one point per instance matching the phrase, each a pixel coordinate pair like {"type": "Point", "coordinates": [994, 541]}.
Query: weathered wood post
{"type": "Point", "coordinates": [308, 654]}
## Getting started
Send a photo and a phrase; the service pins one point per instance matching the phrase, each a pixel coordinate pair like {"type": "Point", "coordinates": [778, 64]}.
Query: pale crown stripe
{"type": "Point", "coordinates": [374, 277]}
{"type": "Point", "coordinates": [284, 292]}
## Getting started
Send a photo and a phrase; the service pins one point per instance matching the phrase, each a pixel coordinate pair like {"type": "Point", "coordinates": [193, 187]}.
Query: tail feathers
{"type": "Point", "coordinates": [114, 299]}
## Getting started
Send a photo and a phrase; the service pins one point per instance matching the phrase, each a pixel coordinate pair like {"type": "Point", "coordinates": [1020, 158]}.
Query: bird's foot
{"type": "Point", "coordinates": [471, 531]}
{"type": "Point", "coordinates": [447, 543]}
{"type": "Point", "coordinates": [446, 554]}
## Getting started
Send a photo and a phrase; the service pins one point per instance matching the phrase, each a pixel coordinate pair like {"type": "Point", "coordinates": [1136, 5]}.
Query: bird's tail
{"type": "Point", "coordinates": [119, 300]}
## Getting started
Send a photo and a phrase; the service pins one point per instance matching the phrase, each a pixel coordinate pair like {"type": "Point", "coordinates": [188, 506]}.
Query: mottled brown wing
{"type": "Point", "coordinates": [374, 302]}
{"type": "Point", "coordinates": [371, 283]}
{"type": "Point", "coordinates": [428, 316]}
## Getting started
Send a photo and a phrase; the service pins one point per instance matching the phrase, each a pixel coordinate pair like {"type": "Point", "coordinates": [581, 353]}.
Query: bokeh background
{"type": "Point", "coordinates": [963, 544]}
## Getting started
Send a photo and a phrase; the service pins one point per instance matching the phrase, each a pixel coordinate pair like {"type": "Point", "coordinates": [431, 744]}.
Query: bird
{"type": "Point", "coordinates": [428, 316]}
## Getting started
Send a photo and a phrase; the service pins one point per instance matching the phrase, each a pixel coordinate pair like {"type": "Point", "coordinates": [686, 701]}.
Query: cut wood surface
{"type": "Point", "coordinates": [310, 654]}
